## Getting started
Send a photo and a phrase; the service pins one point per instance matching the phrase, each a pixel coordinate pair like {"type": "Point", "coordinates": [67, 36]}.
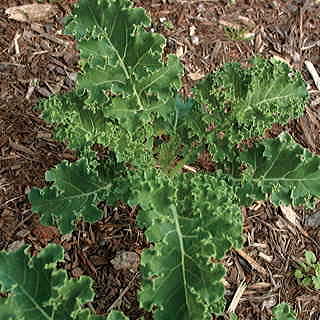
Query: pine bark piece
{"type": "Point", "coordinates": [31, 12]}
{"type": "Point", "coordinates": [252, 262]}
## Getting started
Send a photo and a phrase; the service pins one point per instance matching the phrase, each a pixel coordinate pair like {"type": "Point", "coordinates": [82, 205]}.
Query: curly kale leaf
{"type": "Point", "coordinates": [74, 194]}
{"type": "Point", "coordinates": [242, 103]}
{"type": "Point", "coordinates": [7, 309]}
{"type": "Point", "coordinates": [280, 168]}
{"type": "Point", "coordinates": [124, 88]}
{"type": "Point", "coordinates": [120, 58]}
{"type": "Point", "coordinates": [73, 123]}
{"type": "Point", "coordinates": [39, 291]}
{"type": "Point", "coordinates": [189, 219]}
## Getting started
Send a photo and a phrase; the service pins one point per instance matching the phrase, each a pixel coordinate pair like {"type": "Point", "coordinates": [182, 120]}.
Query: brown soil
{"type": "Point", "coordinates": [36, 62]}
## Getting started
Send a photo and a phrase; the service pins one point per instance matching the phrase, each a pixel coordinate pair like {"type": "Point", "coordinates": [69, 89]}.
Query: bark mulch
{"type": "Point", "coordinates": [36, 61]}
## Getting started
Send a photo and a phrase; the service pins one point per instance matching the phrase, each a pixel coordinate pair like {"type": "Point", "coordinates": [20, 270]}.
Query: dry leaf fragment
{"type": "Point", "coordinates": [31, 12]}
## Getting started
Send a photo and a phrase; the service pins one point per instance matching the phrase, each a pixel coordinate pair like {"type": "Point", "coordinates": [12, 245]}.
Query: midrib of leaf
{"type": "Point", "coordinates": [267, 93]}
{"type": "Point", "coordinates": [123, 66]}
{"type": "Point", "coordinates": [275, 98]}
{"type": "Point", "coordinates": [106, 81]}
{"type": "Point", "coordinates": [83, 194]}
{"type": "Point", "coordinates": [282, 178]}
{"type": "Point", "coordinates": [126, 72]}
{"type": "Point", "coordinates": [144, 55]}
{"type": "Point", "coordinates": [183, 267]}
{"type": "Point", "coordinates": [154, 81]}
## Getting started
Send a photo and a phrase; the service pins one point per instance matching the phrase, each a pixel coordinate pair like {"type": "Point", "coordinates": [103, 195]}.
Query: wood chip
{"type": "Point", "coordinates": [290, 214]}
{"type": "Point", "coordinates": [248, 22]}
{"type": "Point", "coordinates": [252, 262]}
{"type": "Point", "coordinates": [314, 74]}
{"type": "Point", "coordinates": [265, 257]}
{"type": "Point", "coordinates": [77, 272]}
{"type": "Point", "coordinates": [196, 75]}
{"type": "Point", "coordinates": [21, 148]}
{"type": "Point", "coordinates": [15, 245]}
{"type": "Point", "coordinates": [237, 296]}
{"type": "Point", "coordinates": [229, 24]}
{"type": "Point", "coordinates": [180, 52]}
{"type": "Point", "coordinates": [189, 168]}
{"type": "Point", "coordinates": [276, 57]}
{"type": "Point", "coordinates": [31, 12]}
{"type": "Point", "coordinates": [260, 286]}
{"type": "Point", "coordinates": [52, 38]}
{"type": "Point", "coordinates": [313, 220]}
{"type": "Point", "coordinates": [99, 260]}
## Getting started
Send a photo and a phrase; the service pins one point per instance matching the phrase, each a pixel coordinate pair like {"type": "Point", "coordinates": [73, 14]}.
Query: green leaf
{"type": "Point", "coordinates": [283, 311]}
{"type": "Point", "coordinates": [316, 282]}
{"type": "Point", "coordinates": [38, 290]}
{"type": "Point", "coordinates": [242, 103]}
{"type": "Point", "coordinates": [306, 281]}
{"type": "Point", "coordinates": [74, 194]}
{"type": "Point", "coordinates": [119, 56]}
{"type": "Point", "coordinates": [7, 308]}
{"type": "Point", "coordinates": [190, 219]}
{"type": "Point", "coordinates": [124, 89]}
{"type": "Point", "coordinates": [116, 315]}
{"type": "Point", "coordinates": [298, 274]}
{"type": "Point", "coordinates": [233, 316]}
{"type": "Point", "coordinates": [310, 257]}
{"type": "Point", "coordinates": [41, 292]}
{"type": "Point", "coordinates": [280, 168]}
{"type": "Point", "coordinates": [74, 123]}
{"type": "Point", "coordinates": [95, 17]}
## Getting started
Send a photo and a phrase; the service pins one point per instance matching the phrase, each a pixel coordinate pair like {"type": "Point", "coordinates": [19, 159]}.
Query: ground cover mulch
{"type": "Point", "coordinates": [36, 61]}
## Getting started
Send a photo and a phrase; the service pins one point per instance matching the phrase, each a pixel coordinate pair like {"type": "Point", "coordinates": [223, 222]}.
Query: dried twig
{"type": "Point", "coordinates": [124, 291]}
{"type": "Point", "coordinates": [237, 296]}
{"type": "Point", "coordinates": [252, 262]}
{"type": "Point", "coordinates": [314, 74]}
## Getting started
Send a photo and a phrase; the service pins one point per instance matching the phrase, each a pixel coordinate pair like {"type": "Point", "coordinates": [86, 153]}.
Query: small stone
{"type": "Point", "coordinates": [313, 220]}
{"type": "Point", "coordinates": [126, 260]}
{"type": "Point", "coordinates": [44, 92]}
